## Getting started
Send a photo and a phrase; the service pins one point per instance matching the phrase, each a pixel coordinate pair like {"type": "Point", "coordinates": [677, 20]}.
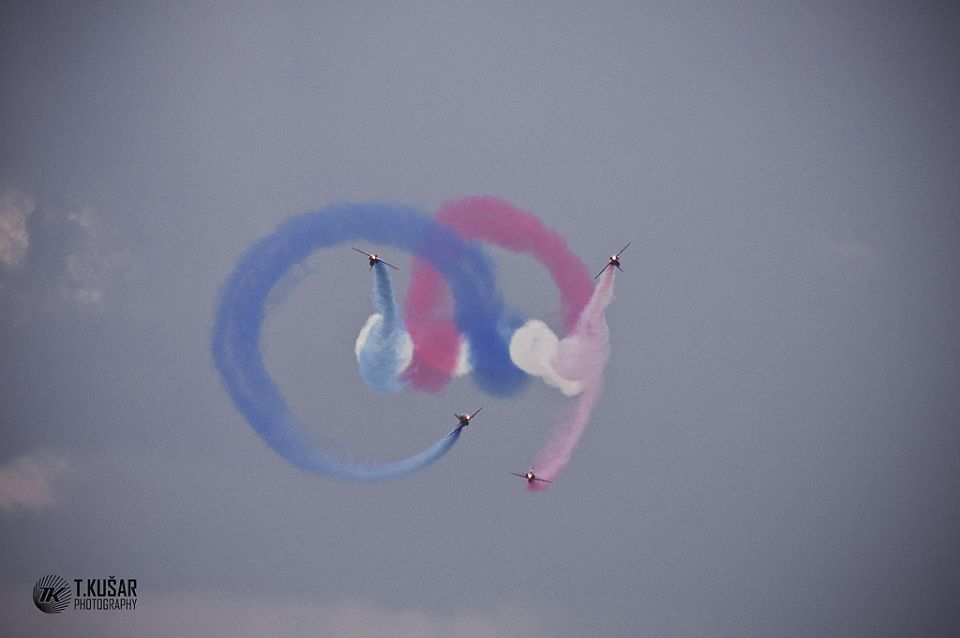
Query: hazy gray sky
{"type": "Point", "coordinates": [775, 452]}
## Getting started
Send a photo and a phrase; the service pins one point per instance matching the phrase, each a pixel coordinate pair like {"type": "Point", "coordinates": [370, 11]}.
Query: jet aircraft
{"type": "Point", "coordinates": [374, 258]}
{"type": "Point", "coordinates": [465, 418]}
{"type": "Point", "coordinates": [614, 261]}
{"type": "Point", "coordinates": [531, 477]}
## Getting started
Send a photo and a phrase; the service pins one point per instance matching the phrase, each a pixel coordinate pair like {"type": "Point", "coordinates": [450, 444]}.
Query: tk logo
{"type": "Point", "coordinates": [51, 594]}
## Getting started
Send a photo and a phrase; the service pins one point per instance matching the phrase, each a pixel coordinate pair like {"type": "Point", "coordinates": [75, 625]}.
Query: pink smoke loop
{"type": "Point", "coordinates": [429, 319]}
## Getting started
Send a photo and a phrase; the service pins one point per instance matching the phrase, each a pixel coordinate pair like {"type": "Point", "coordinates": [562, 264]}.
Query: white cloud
{"type": "Point", "coordinates": [32, 481]}
{"type": "Point", "coordinates": [84, 278]}
{"type": "Point", "coordinates": [252, 616]}
{"type": "Point", "coordinates": [92, 264]}
{"type": "Point", "coordinates": [213, 614]}
{"type": "Point", "coordinates": [15, 207]}
{"type": "Point", "coordinates": [80, 260]}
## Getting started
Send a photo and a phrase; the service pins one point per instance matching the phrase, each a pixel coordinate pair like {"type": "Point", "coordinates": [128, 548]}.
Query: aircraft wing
{"type": "Point", "coordinates": [386, 263]}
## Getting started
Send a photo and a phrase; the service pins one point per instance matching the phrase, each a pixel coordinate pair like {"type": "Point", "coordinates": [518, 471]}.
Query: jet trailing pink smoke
{"type": "Point", "coordinates": [582, 357]}
{"type": "Point", "coordinates": [576, 367]}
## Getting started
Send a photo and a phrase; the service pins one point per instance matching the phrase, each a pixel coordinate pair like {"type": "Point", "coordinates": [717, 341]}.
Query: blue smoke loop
{"type": "Point", "coordinates": [480, 315]}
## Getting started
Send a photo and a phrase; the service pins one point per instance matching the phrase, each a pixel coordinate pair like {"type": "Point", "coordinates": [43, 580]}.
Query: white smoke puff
{"type": "Point", "coordinates": [533, 349]}
{"type": "Point", "coordinates": [464, 367]}
{"type": "Point", "coordinates": [404, 351]}
{"type": "Point", "coordinates": [365, 333]}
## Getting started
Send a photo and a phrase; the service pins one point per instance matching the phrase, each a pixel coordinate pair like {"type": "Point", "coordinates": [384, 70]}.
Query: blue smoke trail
{"type": "Point", "coordinates": [479, 313]}
{"type": "Point", "coordinates": [388, 348]}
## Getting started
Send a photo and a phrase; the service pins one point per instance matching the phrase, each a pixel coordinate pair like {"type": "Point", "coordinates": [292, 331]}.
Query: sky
{"type": "Point", "coordinates": [775, 451]}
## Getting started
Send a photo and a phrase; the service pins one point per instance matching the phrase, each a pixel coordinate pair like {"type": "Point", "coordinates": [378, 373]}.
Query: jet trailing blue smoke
{"type": "Point", "coordinates": [479, 313]}
{"type": "Point", "coordinates": [384, 348]}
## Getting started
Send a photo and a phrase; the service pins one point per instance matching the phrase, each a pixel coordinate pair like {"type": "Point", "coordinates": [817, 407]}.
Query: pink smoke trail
{"type": "Point", "coordinates": [436, 341]}
{"type": "Point", "coordinates": [582, 356]}
{"type": "Point", "coordinates": [435, 338]}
